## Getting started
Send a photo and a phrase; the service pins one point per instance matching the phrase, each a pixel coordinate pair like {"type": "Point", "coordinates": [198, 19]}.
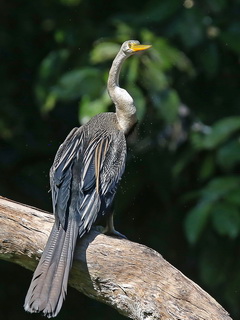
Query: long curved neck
{"type": "Point", "coordinates": [125, 109]}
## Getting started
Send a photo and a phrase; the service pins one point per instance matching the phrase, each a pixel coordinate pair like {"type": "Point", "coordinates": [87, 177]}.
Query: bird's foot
{"type": "Point", "coordinates": [114, 233]}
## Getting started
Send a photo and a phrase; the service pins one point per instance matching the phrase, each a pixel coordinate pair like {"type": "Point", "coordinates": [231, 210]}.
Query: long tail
{"type": "Point", "coordinates": [49, 283]}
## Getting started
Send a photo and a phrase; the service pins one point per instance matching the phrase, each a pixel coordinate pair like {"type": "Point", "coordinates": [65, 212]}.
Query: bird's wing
{"type": "Point", "coordinates": [61, 173]}
{"type": "Point", "coordinates": [114, 166]}
{"type": "Point", "coordinates": [84, 179]}
{"type": "Point", "coordinates": [104, 163]}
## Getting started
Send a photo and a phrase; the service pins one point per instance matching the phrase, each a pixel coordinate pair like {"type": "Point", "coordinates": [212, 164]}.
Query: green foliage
{"type": "Point", "coordinates": [228, 155]}
{"type": "Point", "coordinates": [196, 220]}
{"type": "Point", "coordinates": [89, 108]}
{"type": "Point", "coordinates": [226, 219]}
{"type": "Point", "coordinates": [214, 203]}
{"type": "Point", "coordinates": [104, 51]}
{"type": "Point", "coordinates": [180, 192]}
{"type": "Point", "coordinates": [218, 133]}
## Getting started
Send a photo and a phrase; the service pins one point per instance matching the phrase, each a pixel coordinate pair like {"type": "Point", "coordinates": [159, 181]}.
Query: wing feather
{"type": "Point", "coordinates": [61, 173]}
{"type": "Point", "coordinates": [85, 175]}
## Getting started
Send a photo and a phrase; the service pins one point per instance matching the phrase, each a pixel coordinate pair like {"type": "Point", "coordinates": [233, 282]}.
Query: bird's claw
{"type": "Point", "coordinates": [113, 233]}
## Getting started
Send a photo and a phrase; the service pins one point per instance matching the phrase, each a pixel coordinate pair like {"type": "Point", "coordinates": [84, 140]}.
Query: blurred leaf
{"type": "Point", "coordinates": [133, 70]}
{"type": "Point", "coordinates": [226, 219]}
{"type": "Point", "coordinates": [229, 155]}
{"type": "Point", "coordinates": [233, 197]}
{"type": "Point", "coordinates": [207, 167]}
{"type": "Point", "coordinates": [169, 106]}
{"type": "Point", "coordinates": [219, 133]}
{"type": "Point", "coordinates": [50, 70]}
{"type": "Point", "coordinates": [88, 108]}
{"type": "Point", "coordinates": [164, 55]}
{"type": "Point", "coordinates": [182, 162]}
{"type": "Point", "coordinates": [104, 51]}
{"type": "Point", "coordinates": [153, 78]}
{"type": "Point", "coordinates": [52, 65]}
{"type": "Point", "coordinates": [196, 220]}
{"type": "Point", "coordinates": [75, 83]}
{"type": "Point", "coordinates": [139, 101]}
{"type": "Point", "coordinates": [60, 36]}
{"type": "Point", "coordinates": [216, 189]}
{"type": "Point", "coordinates": [123, 31]}
{"type": "Point", "coordinates": [49, 103]}
{"type": "Point", "coordinates": [219, 187]}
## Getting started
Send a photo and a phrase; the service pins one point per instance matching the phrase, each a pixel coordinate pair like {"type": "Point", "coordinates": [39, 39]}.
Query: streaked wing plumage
{"type": "Point", "coordinates": [84, 177]}
{"type": "Point", "coordinates": [61, 173]}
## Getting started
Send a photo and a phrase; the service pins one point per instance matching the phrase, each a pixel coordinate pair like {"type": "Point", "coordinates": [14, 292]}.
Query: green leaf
{"type": "Point", "coordinates": [132, 73]}
{"type": "Point", "coordinates": [220, 187]}
{"type": "Point", "coordinates": [219, 133]}
{"type": "Point", "coordinates": [104, 51]}
{"type": "Point", "coordinates": [50, 70]}
{"type": "Point", "coordinates": [153, 78]}
{"type": "Point", "coordinates": [182, 162]}
{"type": "Point", "coordinates": [139, 101]}
{"type": "Point", "coordinates": [52, 64]}
{"type": "Point", "coordinates": [229, 155]}
{"type": "Point", "coordinates": [233, 197]}
{"type": "Point", "coordinates": [169, 106]}
{"type": "Point", "coordinates": [124, 31]}
{"type": "Point", "coordinates": [217, 189]}
{"type": "Point", "coordinates": [75, 83]}
{"type": "Point", "coordinates": [164, 56]}
{"type": "Point", "coordinates": [226, 219]}
{"type": "Point", "coordinates": [50, 103]}
{"type": "Point", "coordinates": [207, 167]}
{"type": "Point", "coordinates": [88, 108]}
{"type": "Point", "coordinates": [196, 220]}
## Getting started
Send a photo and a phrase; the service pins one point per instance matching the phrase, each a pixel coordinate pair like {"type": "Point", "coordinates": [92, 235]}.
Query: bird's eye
{"type": "Point", "coordinates": [130, 45]}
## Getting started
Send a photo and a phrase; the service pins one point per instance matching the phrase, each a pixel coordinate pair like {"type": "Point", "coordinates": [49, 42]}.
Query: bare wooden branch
{"type": "Point", "coordinates": [130, 277]}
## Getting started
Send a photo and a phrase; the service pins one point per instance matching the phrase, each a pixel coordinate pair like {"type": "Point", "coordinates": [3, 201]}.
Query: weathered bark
{"type": "Point", "coordinates": [130, 277]}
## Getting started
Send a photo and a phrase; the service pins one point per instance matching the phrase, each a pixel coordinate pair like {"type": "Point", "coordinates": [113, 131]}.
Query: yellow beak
{"type": "Point", "coordinates": [140, 47]}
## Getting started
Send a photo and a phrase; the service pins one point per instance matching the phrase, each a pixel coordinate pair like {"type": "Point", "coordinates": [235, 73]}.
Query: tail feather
{"type": "Point", "coordinates": [48, 288]}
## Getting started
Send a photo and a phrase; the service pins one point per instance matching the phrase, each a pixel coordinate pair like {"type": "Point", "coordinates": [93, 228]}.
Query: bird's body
{"type": "Point", "coordinates": [86, 171]}
{"type": "Point", "coordinates": [84, 178]}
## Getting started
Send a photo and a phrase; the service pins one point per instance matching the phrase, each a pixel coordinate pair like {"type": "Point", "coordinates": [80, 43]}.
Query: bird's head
{"type": "Point", "coordinates": [130, 47]}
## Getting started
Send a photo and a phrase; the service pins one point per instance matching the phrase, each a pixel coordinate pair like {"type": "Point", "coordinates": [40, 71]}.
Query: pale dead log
{"type": "Point", "coordinates": [128, 276]}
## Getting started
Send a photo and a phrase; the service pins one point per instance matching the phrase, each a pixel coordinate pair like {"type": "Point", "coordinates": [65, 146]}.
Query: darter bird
{"type": "Point", "coordinates": [84, 178]}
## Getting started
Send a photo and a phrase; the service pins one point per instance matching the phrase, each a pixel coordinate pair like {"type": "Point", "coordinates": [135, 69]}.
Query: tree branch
{"type": "Point", "coordinates": [128, 276]}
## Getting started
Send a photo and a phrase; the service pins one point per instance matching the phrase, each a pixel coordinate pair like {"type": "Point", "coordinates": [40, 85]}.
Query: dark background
{"type": "Point", "coordinates": [180, 194]}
